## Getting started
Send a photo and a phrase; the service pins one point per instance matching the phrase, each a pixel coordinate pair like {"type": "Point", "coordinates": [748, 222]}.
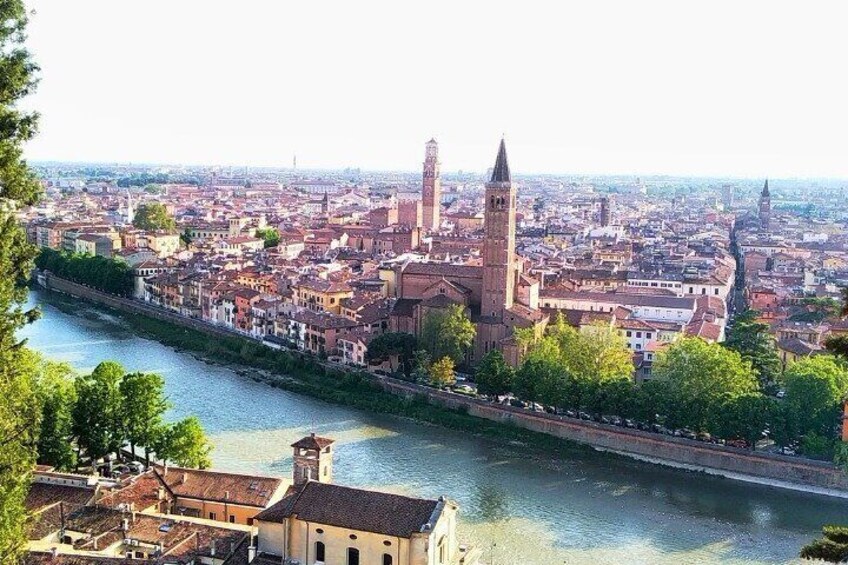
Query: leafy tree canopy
{"type": "Point", "coordinates": [153, 216]}
{"type": "Point", "coordinates": [448, 333]}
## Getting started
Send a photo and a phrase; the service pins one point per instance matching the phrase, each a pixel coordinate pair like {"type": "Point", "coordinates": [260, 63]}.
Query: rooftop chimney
{"type": "Point", "coordinates": [184, 478]}
{"type": "Point", "coordinates": [251, 554]}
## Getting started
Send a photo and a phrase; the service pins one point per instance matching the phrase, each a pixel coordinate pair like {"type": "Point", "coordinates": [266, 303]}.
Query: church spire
{"type": "Point", "coordinates": [765, 189]}
{"type": "Point", "coordinates": [501, 171]}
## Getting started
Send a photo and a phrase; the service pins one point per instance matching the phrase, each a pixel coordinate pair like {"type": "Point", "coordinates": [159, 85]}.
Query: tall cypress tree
{"type": "Point", "coordinates": [19, 407]}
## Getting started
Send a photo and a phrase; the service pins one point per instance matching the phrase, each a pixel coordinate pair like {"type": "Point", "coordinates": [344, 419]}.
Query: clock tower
{"type": "Point", "coordinates": [431, 188]}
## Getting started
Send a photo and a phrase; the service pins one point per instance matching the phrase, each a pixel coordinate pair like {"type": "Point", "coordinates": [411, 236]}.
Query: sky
{"type": "Point", "coordinates": [750, 89]}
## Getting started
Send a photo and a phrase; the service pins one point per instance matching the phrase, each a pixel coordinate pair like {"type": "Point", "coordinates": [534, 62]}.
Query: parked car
{"type": "Point", "coordinates": [688, 434]}
{"type": "Point", "coordinates": [628, 423]}
{"type": "Point", "coordinates": [584, 416]}
{"type": "Point", "coordinates": [704, 436]}
{"type": "Point", "coordinates": [517, 403]}
{"type": "Point", "coordinates": [571, 413]}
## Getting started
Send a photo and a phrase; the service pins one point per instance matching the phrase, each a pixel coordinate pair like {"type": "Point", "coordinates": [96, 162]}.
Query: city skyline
{"type": "Point", "coordinates": [575, 91]}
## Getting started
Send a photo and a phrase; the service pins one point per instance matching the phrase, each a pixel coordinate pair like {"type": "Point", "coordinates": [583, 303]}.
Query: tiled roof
{"type": "Point", "coordinates": [312, 441]}
{"type": "Point", "coordinates": [354, 509]}
{"type": "Point", "coordinates": [45, 494]}
{"type": "Point", "coordinates": [249, 490]}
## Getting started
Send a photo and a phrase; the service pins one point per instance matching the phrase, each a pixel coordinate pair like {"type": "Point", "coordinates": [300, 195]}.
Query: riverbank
{"type": "Point", "coordinates": [305, 375]}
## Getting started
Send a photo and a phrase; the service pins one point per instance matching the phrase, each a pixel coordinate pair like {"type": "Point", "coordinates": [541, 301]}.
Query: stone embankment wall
{"type": "Point", "coordinates": [780, 470]}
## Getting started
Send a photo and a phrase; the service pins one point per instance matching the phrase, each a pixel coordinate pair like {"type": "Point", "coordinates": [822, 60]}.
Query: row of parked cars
{"type": "Point", "coordinates": [624, 423]}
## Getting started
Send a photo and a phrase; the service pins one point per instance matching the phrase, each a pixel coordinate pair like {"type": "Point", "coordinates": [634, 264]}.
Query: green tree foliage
{"type": "Point", "coordinates": [441, 372]}
{"type": "Point", "coordinates": [185, 444]}
{"type": "Point", "coordinates": [58, 397]}
{"type": "Point", "coordinates": [270, 235]}
{"type": "Point", "coordinates": [143, 405]}
{"type": "Point", "coordinates": [833, 547]}
{"type": "Point", "coordinates": [815, 387]}
{"type": "Point", "coordinates": [19, 405]}
{"type": "Point", "coordinates": [838, 345]}
{"type": "Point", "coordinates": [421, 363]}
{"type": "Point", "coordinates": [448, 332]}
{"type": "Point", "coordinates": [388, 345]}
{"type": "Point", "coordinates": [109, 275]}
{"type": "Point", "coordinates": [97, 414]}
{"type": "Point", "coordinates": [154, 188]}
{"type": "Point", "coordinates": [493, 376]}
{"type": "Point", "coordinates": [698, 378]}
{"type": "Point", "coordinates": [815, 310]}
{"type": "Point", "coordinates": [153, 216]}
{"type": "Point", "coordinates": [744, 417]}
{"type": "Point", "coordinates": [751, 339]}
{"type": "Point", "coordinates": [567, 368]}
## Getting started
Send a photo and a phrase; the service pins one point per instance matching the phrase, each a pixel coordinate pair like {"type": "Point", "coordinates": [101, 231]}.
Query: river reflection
{"type": "Point", "coordinates": [520, 505]}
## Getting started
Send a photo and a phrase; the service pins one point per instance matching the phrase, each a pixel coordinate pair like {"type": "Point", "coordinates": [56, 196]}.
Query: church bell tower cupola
{"type": "Point", "coordinates": [499, 240]}
{"type": "Point", "coordinates": [313, 460]}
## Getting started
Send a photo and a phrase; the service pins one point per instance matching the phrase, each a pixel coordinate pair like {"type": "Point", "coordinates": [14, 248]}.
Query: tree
{"type": "Point", "coordinates": [838, 345]}
{"type": "Point", "coordinates": [153, 216]}
{"type": "Point", "coordinates": [752, 340]}
{"type": "Point", "coordinates": [493, 376]}
{"type": "Point", "coordinates": [448, 332]}
{"type": "Point", "coordinates": [386, 346]}
{"type": "Point", "coordinates": [154, 188]}
{"type": "Point", "coordinates": [833, 547]}
{"type": "Point", "coordinates": [815, 387]}
{"type": "Point", "coordinates": [843, 310]}
{"type": "Point", "coordinates": [58, 397]}
{"type": "Point", "coordinates": [97, 415]}
{"type": "Point", "coordinates": [441, 372]}
{"type": "Point", "coordinates": [745, 416]}
{"type": "Point", "coordinates": [698, 377]}
{"type": "Point", "coordinates": [421, 363]}
{"type": "Point", "coordinates": [185, 444]}
{"type": "Point", "coordinates": [143, 404]}
{"type": "Point", "coordinates": [270, 235]}
{"type": "Point", "coordinates": [19, 405]}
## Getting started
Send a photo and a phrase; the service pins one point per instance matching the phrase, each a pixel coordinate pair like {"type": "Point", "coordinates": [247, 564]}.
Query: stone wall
{"type": "Point", "coordinates": [781, 470]}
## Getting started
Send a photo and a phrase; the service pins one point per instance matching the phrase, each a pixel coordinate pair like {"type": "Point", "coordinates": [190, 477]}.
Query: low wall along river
{"type": "Point", "coordinates": [778, 470]}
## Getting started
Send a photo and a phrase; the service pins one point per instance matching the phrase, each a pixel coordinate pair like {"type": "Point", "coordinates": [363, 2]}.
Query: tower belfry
{"type": "Point", "coordinates": [765, 207]}
{"type": "Point", "coordinates": [499, 240]}
{"type": "Point", "coordinates": [431, 187]}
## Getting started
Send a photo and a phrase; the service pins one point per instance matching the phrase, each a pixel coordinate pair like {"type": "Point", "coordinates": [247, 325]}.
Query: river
{"type": "Point", "coordinates": [520, 505]}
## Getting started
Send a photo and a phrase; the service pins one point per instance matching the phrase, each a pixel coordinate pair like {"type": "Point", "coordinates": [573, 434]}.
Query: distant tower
{"type": "Point", "coordinates": [606, 211]}
{"type": "Point", "coordinates": [499, 241]}
{"type": "Point", "coordinates": [728, 196]}
{"type": "Point", "coordinates": [294, 162]}
{"type": "Point", "coordinates": [765, 207]}
{"type": "Point", "coordinates": [431, 190]}
{"type": "Point", "coordinates": [313, 460]}
{"type": "Point", "coordinates": [130, 210]}
{"type": "Point", "coordinates": [325, 204]}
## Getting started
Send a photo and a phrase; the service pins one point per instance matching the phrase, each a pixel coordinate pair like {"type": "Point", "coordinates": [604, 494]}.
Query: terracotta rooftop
{"type": "Point", "coordinates": [354, 509]}
{"type": "Point", "coordinates": [312, 441]}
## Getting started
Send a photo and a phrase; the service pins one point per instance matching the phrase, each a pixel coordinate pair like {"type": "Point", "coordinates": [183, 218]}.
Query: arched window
{"type": "Point", "coordinates": [387, 559]}
{"type": "Point", "coordinates": [352, 556]}
{"type": "Point", "coordinates": [319, 551]}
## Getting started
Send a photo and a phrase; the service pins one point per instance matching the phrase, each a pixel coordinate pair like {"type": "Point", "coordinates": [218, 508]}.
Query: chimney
{"type": "Point", "coordinates": [161, 494]}
{"type": "Point", "coordinates": [251, 554]}
{"type": "Point", "coordinates": [165, 471]}
{"type": "Point", "coordinates": [184, 478]}
{"type": "Point", "coordinates": [212, 548]}
{"type": "Point", "coordinates": [55, 551]}
{"type": "Point", "coordinates": [125, 525]}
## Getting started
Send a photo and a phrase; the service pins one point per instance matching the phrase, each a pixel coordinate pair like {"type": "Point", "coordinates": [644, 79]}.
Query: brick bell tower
{"type": "Point", "coordinates": [313, 460]}
{"type": "Point", "coordinates": [499, 241]}
{"type": "Point", "coordinates": [431, 188]}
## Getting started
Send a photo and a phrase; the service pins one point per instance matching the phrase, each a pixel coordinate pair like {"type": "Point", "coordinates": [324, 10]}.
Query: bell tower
{"type": "Point", "coordinates": [765, 207]}
{"type": "Point", "coordinates": [431, 187]}
{"type": "Point", "coordinates": [499, 241]}
{"type": "Point", "coordinates": [313, 460]}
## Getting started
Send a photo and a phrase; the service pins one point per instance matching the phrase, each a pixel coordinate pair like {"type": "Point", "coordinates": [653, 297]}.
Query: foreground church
{"type": "Point", "coordinates": [498, 296]}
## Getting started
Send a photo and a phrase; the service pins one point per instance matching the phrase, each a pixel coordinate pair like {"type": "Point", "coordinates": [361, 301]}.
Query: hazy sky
{"type": "Point", "coordinates": [743, 88]}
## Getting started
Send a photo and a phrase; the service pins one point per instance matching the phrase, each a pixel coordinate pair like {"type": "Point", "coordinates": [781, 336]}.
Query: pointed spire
{"type": "Point", "coordinates": [501, 171]}
{"type": "Point", "coordinates": [765, 188]}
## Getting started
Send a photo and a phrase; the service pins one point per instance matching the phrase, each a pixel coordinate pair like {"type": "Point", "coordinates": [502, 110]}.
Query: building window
{"type": "Point", "coordinates": [352, 556]}
{"type": "Point", "coordinates": [629, 333]}
{"type": "Point", "coordinates": [319, 551]}
{"type": "Point", "coordinates": [232, 519]}
{"type": "Point", "coordinates": [213, 516]}
{"type": "Point", "coordinates": [387, 559]}
{"type": "Point", "coordinates": [648, 335]}
{"type": "Point", "coordinates": [638, 334]}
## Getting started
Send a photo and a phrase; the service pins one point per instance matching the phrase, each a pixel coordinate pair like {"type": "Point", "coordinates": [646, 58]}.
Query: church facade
{"type": "Point", "coordinates": [497, 295]}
